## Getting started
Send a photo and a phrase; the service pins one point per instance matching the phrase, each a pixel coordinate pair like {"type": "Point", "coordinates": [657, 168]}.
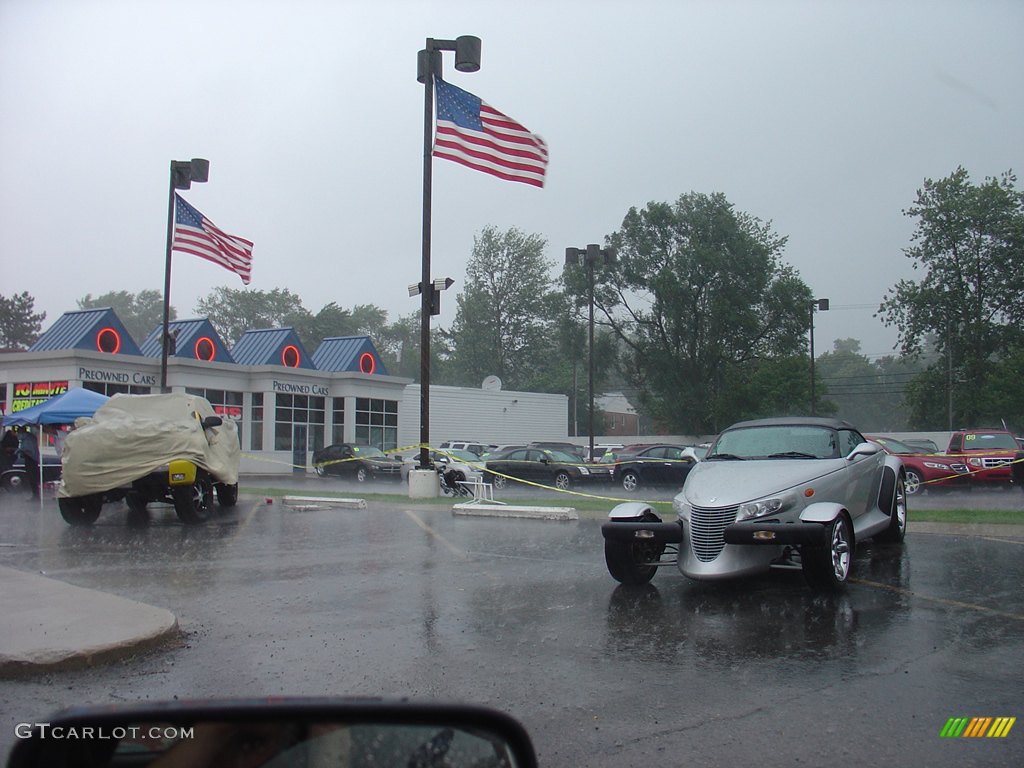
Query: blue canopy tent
{"type": "Point", "coordinates": [62, 409]}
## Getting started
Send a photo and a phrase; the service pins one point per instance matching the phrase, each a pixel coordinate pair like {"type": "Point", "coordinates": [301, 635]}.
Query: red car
{"type": "Point", "coordinates": [925, 469]}
{"type": "Point", "coordinates": [988, 454]}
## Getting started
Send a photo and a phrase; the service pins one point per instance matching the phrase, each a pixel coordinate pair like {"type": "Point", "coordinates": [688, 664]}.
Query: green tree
{"type": "Point", "coordinates": [399, 346]}
{"type": "Point", "coordinates": [235, 311]}
{"type": "Point", "coordinates": [140, 312]}
{"type": "Point", "coordinates": [969, 242]}
{"type": "Point", "coordinates": [701, 299]}
{"type": "Point", "coordinates": [19, 323]}
{"type": "Point", "coordinates": [506, 310]}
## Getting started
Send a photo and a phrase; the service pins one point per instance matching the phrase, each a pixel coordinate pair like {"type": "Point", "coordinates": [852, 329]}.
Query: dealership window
{"type": "Point", "coordinates": [115, 389]}
{"type": "Point", "coordinates": [298, 409]}
{"type": "Point", "coordinates": [337, 420]}
{"type": "Point", "coordinates": [226, 404]}
{"type": "Point", "coordinates": [256, 420]}
{"type": "Point", "coordinates": [377, 423]}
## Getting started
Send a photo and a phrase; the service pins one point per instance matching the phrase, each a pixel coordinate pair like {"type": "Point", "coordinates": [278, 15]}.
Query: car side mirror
{"type": "Point", "coordinates": [864, 449]}
{"type": "Point", "coordinates": [212, 421]}
{"type": "Point", "coordinates": [285, 732]}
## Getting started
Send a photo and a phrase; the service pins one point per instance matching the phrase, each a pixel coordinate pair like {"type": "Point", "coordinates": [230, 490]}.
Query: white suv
{"type": "Point", "coordinates": [473, 446]}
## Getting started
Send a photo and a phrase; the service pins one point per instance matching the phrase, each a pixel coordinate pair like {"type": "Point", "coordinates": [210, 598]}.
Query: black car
{"type": "Point", "coordinates": [357, 462]}
{"type": "Point", "coordinates": [653, 465]}
{"type": "Point", "coordinates": [539, 466]}
{"type": "Point", "coordinates": [15, 478]}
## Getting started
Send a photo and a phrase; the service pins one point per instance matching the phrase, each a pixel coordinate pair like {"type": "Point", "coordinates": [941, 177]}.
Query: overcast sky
{"type": "Point", "coordinates": [822, 117]}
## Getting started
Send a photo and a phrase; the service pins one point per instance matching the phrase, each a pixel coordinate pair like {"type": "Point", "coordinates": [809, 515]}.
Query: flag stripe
{"type": "Point", "coordinates": [481, 163]}
{"type": "Point", "coordinates": [491, 144]}
{"type": "Point", "coordinates": [474, 134]}
{"type": "Point", "coordinates": [197, 235]}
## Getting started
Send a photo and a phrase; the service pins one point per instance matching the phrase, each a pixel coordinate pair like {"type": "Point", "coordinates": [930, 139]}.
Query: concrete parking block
{"type": "Point", "coordinates": [512, 510]}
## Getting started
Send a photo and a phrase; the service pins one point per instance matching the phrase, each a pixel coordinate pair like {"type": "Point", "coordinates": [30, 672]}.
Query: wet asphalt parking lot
{"type": "Point", "coordinates": [409, 600]}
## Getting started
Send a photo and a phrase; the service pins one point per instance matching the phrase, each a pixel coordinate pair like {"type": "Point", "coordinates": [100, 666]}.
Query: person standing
{"type": "Point", "coordinates": [29, 450]}
{"type": "Point", "coordinates": [8, 450]}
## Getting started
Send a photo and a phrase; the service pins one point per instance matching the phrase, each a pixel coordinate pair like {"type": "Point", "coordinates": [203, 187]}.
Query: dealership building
{"type": "Point", "coordinates": [285, 401]}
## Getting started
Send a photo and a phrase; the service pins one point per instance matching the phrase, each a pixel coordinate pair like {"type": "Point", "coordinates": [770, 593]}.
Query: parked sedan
{"type": "Point", "coordinates": [772, 493]}
{"type": "Point", "coordinates": [463, 465]}
{"type": "Point", "coordinates": [925, 470]}
{"type": "Point", "coordinates": [655, 465]}
{"type": "Point", "coordinates": [541, 467]}
{"type": "Point", "coordinates": [356, 462]}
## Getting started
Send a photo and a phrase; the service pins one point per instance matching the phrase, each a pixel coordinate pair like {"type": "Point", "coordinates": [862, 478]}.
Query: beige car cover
{"type": "Point", "coordinates": [133, 435]}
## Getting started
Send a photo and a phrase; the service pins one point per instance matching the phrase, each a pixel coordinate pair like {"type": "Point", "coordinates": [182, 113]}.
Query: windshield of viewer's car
{"type": "Point", "coordinates": [776, 442]}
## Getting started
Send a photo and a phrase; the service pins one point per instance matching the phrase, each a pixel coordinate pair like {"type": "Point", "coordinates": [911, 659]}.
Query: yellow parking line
{"type": "Point", "coordinates": [940, 600]}
{"type": "Point", "coordinates": [451, 547]}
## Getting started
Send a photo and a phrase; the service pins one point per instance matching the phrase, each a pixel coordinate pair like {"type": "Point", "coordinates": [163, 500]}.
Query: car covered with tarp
{"type": "Point", "coordinates": [170, 448]}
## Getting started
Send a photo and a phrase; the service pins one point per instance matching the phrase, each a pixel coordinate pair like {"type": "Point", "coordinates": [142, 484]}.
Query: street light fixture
{"type": "Point", "coordinates": [428, 66]}
{"type": "Point", "coordinates": [816, 305]}
{"type": "Point", "coordinates": [183, 173]}
{"type": "Point", "coordinates": [588, 257]}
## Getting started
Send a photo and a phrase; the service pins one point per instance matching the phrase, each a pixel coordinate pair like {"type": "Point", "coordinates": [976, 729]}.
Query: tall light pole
{"type": "Point", "coordinates": [183, 173]}
{"type": "Point", "coordinates": [428, 66]}
{"type": "Point", "coordinates": [822, 305]}
{"type": "Point", "coordinates": [588, 257]}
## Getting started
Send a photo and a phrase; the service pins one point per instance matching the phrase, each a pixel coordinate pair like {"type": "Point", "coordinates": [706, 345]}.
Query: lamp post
{"type": "Point", "coordinates": [822, 305]}
{"type": "Point", "coordinates": [183, 173]}
{"type": "Point", "coordinates": [428, 66]}
{"type": "Point", "coordinates": [588, 257]}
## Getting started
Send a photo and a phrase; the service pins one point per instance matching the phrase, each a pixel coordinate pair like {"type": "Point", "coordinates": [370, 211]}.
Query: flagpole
{"type": "Point", "coordinates": [467, 59]}
{"type": "Point", "coordinates": [167, 284]}
{"type": "Point", "coordinates": [183, 173]}
{"type": "Point", "coordinates": [433, 59]}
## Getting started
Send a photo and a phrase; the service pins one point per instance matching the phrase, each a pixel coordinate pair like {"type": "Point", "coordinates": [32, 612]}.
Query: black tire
{"type": "Point", "coordinates": [15, 481]}
{"type": "Point", "coordinates": [630, 481]}
{"type": "Point", "coordinates": [563, 481]}
{"type": "Point", "coordinates": [227, 495]}
{"type": "Point", "coordinates": [193, 503]}
{"type": "Point", "coordinates": [136, 503]}
{"type": "Point", "coordinates": [320, 471]}
{"type": "Point", "coordinates": [897, 509]}
{"type": "Point", "coordinates": [628, 562]}
{"type": "Point", "coordinates": [81, 510]}
{"type": "Point", "coordinates": [361, 474]}
{"type": "Point", "coordinates": [827, 568]}
{"type": "Point", "coordinates": [914, 483]}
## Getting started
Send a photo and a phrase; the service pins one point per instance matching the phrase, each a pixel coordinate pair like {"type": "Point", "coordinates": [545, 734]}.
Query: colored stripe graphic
{"type": "Point", "coordinates": [977, 727]}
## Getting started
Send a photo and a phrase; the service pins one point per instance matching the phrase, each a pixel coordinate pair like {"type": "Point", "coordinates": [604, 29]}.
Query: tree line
{"type": "Point", "coordinates": [699, 319]}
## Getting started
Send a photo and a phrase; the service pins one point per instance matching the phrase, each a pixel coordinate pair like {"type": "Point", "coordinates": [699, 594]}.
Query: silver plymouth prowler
{"type": "Point", "coordinates": [785, 492]}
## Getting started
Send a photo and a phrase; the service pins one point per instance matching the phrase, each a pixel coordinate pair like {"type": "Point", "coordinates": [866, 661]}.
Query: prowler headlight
{"type": "Point", "coordinates": [755, 509]}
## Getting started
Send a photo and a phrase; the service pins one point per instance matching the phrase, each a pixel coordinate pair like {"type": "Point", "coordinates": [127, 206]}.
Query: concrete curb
{"type": "Point", "coordinates": [315, 502]}
{"type": "Point", "coordinates": [49, 625]}
{"type": "Point", "coordinates": [510, 510]}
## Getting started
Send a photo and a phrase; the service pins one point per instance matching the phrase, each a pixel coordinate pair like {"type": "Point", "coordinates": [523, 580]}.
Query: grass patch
{"type": "Point", "coordinates": [968, 516]}
{"type": "Point", "coordinates": [594, 508]}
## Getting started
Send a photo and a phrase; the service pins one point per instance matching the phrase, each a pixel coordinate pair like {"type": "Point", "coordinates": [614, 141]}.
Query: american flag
{"type": "Point", "coordinates": [196, 234]}
{"type": "Point", "coordinates": [475, 134]}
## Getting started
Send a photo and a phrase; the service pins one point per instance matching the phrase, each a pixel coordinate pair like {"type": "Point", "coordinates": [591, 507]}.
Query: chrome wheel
{"type": "Point", "coordinates": [630, 482]}
{"type": "Point", "coordinates": [914, 482]}
{"type": "Point", "coordinates": [839, 548]}
{"type": "Point", "coordinates": [562, 481]}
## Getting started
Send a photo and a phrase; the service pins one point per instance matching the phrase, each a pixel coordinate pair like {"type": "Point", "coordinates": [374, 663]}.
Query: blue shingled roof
{"type": "Point", "coordinates": [188, 345]}
{"type": "Point", "coordinates": [271, 346]}
{"type": "Point", "coordinates": [88, 329]}
{"type": "Point", "coordinates": [348, 353]}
